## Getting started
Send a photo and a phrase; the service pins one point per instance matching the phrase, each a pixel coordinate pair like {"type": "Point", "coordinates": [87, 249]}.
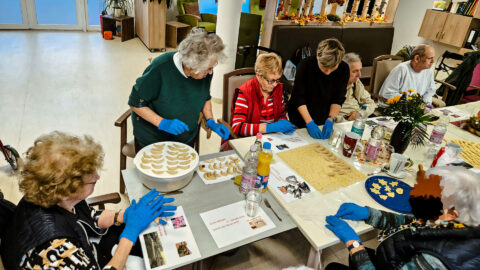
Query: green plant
{"type": "Point", "coordinates": [410, 108]}
{"type": "Point", "coordinates": [124, 5]}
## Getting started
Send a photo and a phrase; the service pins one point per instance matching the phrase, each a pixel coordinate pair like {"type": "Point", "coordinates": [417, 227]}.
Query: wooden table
{"type": "Point", "coordinates": [311, 220]}
{"type": "Point", "coordinates": [176, 32]}
{"type": "Point", "coordinates": [126, 23]}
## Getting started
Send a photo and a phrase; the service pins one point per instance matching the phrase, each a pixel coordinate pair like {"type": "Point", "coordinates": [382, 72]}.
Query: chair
{"type": "Point", "coordinates": [231, 81]}
{"type": "Point", "coordinates": [189, 13]}
{"type": "Point", "coordinates": [382, 65]}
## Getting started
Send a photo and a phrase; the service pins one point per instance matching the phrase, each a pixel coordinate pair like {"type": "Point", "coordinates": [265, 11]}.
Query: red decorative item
{"type": "Point", "coordinates": [108, 35]}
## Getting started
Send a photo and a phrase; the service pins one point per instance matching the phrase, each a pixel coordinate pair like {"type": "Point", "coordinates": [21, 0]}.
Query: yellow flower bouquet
{"type": "Point", "coordinates": [409, 110]}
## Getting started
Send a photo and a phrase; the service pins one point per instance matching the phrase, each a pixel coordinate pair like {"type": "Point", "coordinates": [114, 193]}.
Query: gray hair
{"type": "Point", "coordinates": [330, 53]}
{"type": "Point", "coordinates": [351, 57]}
{"type": "Point", "coordinates": [200, 48]}
{"type": "Point", "coordinates": [420, 50]}
{"type": "Point", "coordinates": [461, 189]}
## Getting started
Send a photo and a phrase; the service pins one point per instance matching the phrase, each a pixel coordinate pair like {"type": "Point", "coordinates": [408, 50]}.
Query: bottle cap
{"type": "Point", "coordinates": [259, 135]}
{"type": "Point", "coordinates": [253, 148]}
{"type": "Point", "coordinates": [364, 107]}
{"type": "Point", "coordinates": [267, 145]}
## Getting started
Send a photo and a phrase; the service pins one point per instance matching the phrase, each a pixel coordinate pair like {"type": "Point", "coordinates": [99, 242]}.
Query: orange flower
{"type": "Point", "coordinates": [410, 98]}
{"type": "Point", "coordinates": [396, 99]}
{"type": "Point", "coordinates": [404, 92]}
{"type": "Point", "coordinates": [410, 90]}
{"type": "Point", "coordinates": [389, 101]}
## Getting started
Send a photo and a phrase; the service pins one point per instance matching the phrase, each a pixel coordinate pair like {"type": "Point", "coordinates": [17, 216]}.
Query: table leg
{"type": "Point", "coordinates": [314, 259]}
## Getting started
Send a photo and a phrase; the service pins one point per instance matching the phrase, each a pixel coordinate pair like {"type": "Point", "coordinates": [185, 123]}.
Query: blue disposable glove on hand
{"type": "Point", "coordinates": [327, 129]}
{"type": "Point", "coordinates": [341, 229]}
{"type": "Point", "coordinates": [139, 215]}
{"type": "Point", "coordinates": [281, 125]}
{"type": "Point", "coordinates": [313, 130]}
{"type": "Point", "coordinates": [352, 211]}
{"type": "Point", "coordinates": [220, 129]}
{"type": "Point", "coordinates": [173, 126]}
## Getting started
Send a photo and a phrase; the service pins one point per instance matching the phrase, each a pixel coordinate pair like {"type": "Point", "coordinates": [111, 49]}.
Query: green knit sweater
{"type": "Point", "coordinates": [167, 92]}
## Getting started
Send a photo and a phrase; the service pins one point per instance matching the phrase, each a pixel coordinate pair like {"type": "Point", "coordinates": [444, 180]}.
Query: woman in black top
{"type": "Point", "coordinates": [319, 90]}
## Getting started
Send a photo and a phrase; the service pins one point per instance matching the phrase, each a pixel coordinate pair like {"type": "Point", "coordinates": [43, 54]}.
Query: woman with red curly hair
{"type": "Point", "coordinates": [52, 226]}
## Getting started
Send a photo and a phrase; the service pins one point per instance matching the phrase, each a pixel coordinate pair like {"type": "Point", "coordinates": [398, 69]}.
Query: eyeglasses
{"type": "Point", "coordinates": [269, 81]}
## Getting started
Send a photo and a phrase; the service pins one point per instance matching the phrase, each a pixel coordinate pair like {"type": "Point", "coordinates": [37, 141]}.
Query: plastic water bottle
{"type": "Point", "coordinates": [249, 174]}
{"type": "Point", "coordinates": [359, 123]}
{"type": "Point", "coordinates": [374, 144]}
{"type": "Point", "coordinates": [438, 133]}
{"type": "Point", "coordinates": [252, 155]}
{"type": "Point", "coordinates": [263, 168]}
{"type": "Point", "coordinates": [258, 142]}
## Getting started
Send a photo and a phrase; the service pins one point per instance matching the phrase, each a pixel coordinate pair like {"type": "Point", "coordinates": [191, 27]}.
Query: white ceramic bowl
{"type": "Point", "coordinates": [164, 168]}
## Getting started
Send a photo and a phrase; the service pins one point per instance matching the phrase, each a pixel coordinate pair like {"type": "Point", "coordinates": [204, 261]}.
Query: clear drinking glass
{"type": "Point", "coordinates": [253, 200]}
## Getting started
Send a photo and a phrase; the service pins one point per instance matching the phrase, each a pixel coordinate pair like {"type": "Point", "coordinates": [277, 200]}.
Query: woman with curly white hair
{"type": "Point", "coordinates": [442, 233]}
{"type": "Point", "coordinates": [168, 98]}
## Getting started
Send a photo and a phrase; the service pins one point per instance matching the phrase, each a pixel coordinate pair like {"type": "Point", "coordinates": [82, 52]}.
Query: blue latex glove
{"type": "Point", "coordinates": [173, 126]}
{"type": "Point", "coordinates": [327, 129]}
{"type": "Point", "coordinates": [220, 129]}
{"type": "Point", "coordinates": [352, 211]}
{"type": "Point", "coordinates": [341, 229]}
{"type": "Point", "coordinates": [281, 125]}
{"type": "Point", "coordinates": [139, 215]}
{"type": "Point", "coordinates": [313, 130]}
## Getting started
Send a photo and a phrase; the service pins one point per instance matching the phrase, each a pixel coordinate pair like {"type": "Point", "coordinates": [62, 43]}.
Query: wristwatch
{"type": "Point", "coordinates": [355, 244]}
{"type": "Point", "coordinates": [115, 219]}
{"type": "Point", "coordinates": [334, 118]}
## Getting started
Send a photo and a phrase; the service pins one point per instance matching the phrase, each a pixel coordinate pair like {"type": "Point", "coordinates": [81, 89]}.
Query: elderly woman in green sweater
{"type": "Point", "coordinates": [168, 98]}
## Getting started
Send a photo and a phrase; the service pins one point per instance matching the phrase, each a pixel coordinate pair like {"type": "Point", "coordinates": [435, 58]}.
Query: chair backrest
{"type": "Point", "coordinates": [232, 81]}
{"type": "Point", "coordinates": [382, 65]}
{"type": "Point", "coordinates": [7, 210]}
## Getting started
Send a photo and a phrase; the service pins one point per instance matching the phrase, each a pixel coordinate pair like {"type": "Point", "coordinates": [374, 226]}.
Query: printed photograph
{"type": "Point", "coordinates": [182, 249]}
{"type": "Point", "coordinates": [155, 253]}
{"type": "Point", "coordinates": [178, 222]}
{"type": "Point", "coordinates": [256, 223]}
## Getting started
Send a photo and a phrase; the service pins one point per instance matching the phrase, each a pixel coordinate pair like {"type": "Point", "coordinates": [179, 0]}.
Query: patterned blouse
{"type": "Point", "coordinates": [61, 253]}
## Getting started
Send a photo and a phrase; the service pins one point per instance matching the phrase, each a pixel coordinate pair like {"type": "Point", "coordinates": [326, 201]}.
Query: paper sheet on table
{"type": "Point", "coordinates": [222, 166]}
{"type": "Point", "coordinates": [281, 142]}
{"type": "Point", "coordinates": [278, 174]}
{"type": "Point", "coordinates": [230, 224]}
{"type": "Point", "coordinates": [454, 114]}
{"type": "Point", "coordinates": [169, 245]}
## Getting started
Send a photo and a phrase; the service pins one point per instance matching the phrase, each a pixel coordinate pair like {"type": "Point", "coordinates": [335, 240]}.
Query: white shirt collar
{"type": "Point", "coordinates": [177, 59]}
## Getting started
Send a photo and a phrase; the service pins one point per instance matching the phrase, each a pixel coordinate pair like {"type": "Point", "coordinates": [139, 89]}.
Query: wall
{"type": "Point", "coordinates": [407, 22]}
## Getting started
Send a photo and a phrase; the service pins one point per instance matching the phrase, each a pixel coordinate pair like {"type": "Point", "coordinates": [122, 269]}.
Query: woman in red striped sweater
{"type": "Point", "coordinates": [259, 105]}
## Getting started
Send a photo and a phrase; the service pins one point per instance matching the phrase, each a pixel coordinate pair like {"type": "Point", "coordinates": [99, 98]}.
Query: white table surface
{"type": "Point", "coordinates": [309, 212]}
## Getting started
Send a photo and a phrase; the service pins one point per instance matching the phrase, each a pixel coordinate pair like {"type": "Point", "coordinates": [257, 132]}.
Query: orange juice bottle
{"type": "Point", "coordinates": [263, 168]}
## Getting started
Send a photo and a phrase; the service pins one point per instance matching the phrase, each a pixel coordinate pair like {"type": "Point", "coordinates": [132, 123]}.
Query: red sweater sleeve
{"type": "Point", "coordinates": [239, 118]}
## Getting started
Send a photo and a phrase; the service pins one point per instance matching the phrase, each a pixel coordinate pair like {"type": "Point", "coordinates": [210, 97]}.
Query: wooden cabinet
{"type": "Point", "coordinates": [448, 28]}
{"type": "Point", "coordinates": [150, 21]}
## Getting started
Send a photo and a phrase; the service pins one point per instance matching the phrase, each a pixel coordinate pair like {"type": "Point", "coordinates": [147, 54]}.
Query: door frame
{"type": "Point", "coordinates": [29, 18]}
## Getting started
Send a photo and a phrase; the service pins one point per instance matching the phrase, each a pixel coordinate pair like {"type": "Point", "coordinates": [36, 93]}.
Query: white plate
{"type": "Point", "coordinates": [167, 155]}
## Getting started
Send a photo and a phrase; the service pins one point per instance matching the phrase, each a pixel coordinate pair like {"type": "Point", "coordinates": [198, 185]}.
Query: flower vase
{"type": "Point", "coordinates": [401, 136]}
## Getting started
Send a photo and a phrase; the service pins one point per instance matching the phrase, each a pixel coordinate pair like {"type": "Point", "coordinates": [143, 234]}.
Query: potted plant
{"type": "Point", "coordinates": [409, 111]}
{"type": "Point", "coordinates": [118, 7]}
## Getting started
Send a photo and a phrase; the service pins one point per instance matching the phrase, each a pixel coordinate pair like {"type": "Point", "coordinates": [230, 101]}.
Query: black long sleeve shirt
{"type": "Point", "coordinates": [317, 91]}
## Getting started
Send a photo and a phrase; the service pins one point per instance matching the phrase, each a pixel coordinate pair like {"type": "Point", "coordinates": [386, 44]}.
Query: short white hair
{"type": "Point", "coordinates": [200, 48]}
{"type": "Point", "coordinates": [461, 189]}
{"type": "Point", "coordinates": [351, 57]}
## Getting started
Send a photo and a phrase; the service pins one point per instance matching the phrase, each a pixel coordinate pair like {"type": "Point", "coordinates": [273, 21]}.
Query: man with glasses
{"type": "Point", "coordinates": [259, 106]}
{"type": "Point", "coordinates": [168, 98]}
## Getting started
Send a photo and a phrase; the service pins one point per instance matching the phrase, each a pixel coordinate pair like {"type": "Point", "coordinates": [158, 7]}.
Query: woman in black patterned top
{"type": "Point", "coordinates": [53, 227]}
